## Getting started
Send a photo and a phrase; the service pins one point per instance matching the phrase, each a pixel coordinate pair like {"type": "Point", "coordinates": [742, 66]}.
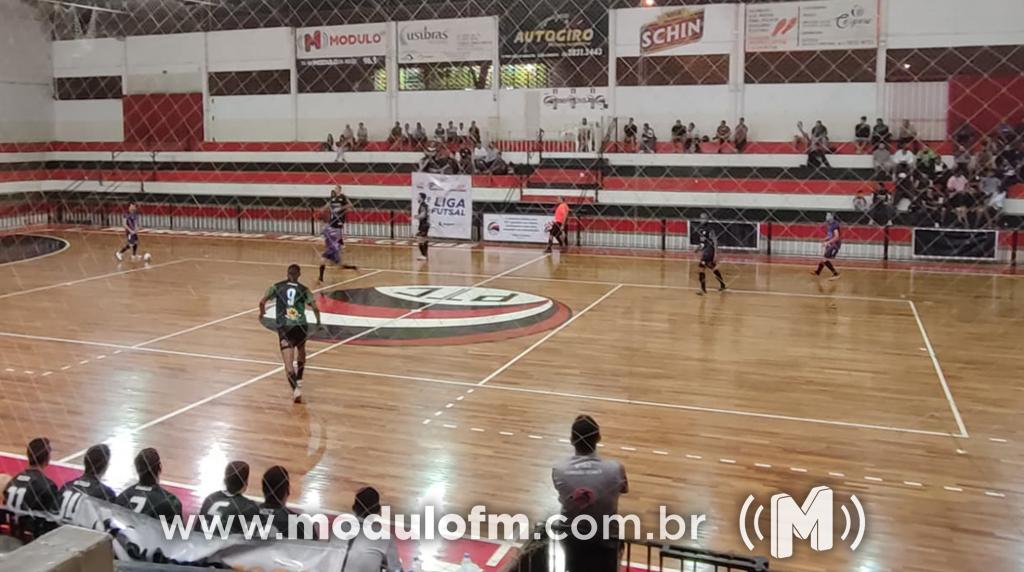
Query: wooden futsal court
{"type": "Point", "coordinates": [902, 387]}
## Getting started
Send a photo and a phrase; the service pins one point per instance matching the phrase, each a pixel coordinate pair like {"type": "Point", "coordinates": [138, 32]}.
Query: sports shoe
{"type": "Point", "coordinates": [119, 256]}
{"type": "Point", "coordinates": [701, 293]}
{"type": "Point", "coordinates": [834, 277]}
{"type": "Point", "coordinates": [297, 395]}
{"type": "Point", "coordinates": [722, 288]}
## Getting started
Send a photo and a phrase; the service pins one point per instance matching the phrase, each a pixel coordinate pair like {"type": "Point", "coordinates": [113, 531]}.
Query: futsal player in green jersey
{"type": "Point", "coordinates": [291, 299]}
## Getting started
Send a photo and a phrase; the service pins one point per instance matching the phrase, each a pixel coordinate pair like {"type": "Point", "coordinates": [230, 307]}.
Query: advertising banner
{"type": "Point", "coordinates": [452, 40]}
{"type": "Point", "coordinates": [815, 25]}
{"type": "Point", "coordinates": [559, 32]}
{"type": "Point", "coordinates": [517, 228]}
{"type": "Point", "coordinates": [330, 45]}
{"type": "Point", "coordinates": [451, 204]}
{"type": "Point", "coordinates": [675, 31]}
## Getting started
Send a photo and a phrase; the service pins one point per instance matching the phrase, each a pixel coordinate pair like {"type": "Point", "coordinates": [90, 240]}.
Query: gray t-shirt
{"type": "Point", "coordinates": [588, 484]}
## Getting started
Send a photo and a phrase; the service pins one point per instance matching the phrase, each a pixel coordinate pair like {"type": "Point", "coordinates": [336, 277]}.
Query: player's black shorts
{"type": "Point", "coordinates": [424, 230]}
{"type": "Point", "coordinates": [556, 229]}
{"type": "Point", "coordinates": [832, 250]}
{"type": "Point", "coordinates": [132, 238]}
{"type": "Point", "coordinates": [707, 260]}
{"type": "Point", "coordinates": [291, 336]}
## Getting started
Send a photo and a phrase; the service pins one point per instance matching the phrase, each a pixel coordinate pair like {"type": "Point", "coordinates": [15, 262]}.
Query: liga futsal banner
{"type": "Point", "coordinates": [517, 228]}
{"type": "Point", "coordinates": [451, 204]}
{"type": "Point", "coordinates": [812, 25]}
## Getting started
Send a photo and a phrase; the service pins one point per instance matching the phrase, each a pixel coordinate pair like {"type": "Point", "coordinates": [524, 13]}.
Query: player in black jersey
{"type": "Point", "coordinates": [232, 501]}
{"type": "Point", "coordinates": [291, 300]}
{"type": "Point", "coordinates": [147, 496]}
{"type": "Point", "coordinates": [708, 247]}
{"type": "Point", "coordinates": [31, 490]}
{"type": "Point", "coordinates": [338, 207]}
{"type": "Point", "coordinates": [97, 458]}
{"type": "Point", "coordinates": [276, 488]}
{"type": "Point", "coordinates": [423, 225]}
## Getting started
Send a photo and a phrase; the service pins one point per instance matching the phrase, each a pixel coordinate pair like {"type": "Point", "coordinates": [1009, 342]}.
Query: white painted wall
{"type": "Point", "coordinates": [251, 118]}
{"type": "Point", "coordinates": [250, 50]}
{"type": "Point", "coordinates": [26, 104]}
{"type": "Point", "coordinates": [322, 113]}
{"type": "Point", "coordinates": [89, 58]}
{"type": "Point", "coordinates": [88, 120]}
{"type": "Point", "coordinates": [703, 105]}
{"type": "Point", "coordinates": [165, 64]}
{"type": "Point", "coordinates": [773, 110]}
{"type": "Point", "coordinates": [931, 23]}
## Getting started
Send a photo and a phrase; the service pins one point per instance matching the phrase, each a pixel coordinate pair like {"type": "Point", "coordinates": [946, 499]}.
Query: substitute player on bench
{"type": "Point", "coordinates": [291, 300]}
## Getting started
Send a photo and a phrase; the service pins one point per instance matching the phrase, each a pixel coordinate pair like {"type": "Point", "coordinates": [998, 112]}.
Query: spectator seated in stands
{"type": "Point", "coordinates": [904, 156]}
{"type": "Point", "coordinates": [881, 211]}
{"type": "Point", "coordinates": [723, 134]}
{"type": "Point", "coordinates": [328, 144]}
{"type": "Point", "coordinates": [819, 133]}
{"type": "Point", "coordinates": [881, 160]}
{"type": "Point", "coordinates": [630, 136]}
{"type": "Point", "coordinates": [862, 135]}
{"type": "Point", "coordinates": [407, 137]}
{"type": "Point", "coordinates": [993, 195]}
{"type": "Point", "coordinates": [965, 135]}
{"type": "Point", "coordinates": [480, 161]}
{"type": "Point", "coordinates": [451, 134]}
{"type": "Point", "coordinates": [818, 147]}
{"type": "Point", "coordinates": [31, 490]}
{"type": "Point", "coordinates": [460, 134]}
{"type": "Point", "coordinates": [927, 161]}
{"type": "Point", "coordinates": [465, 160]}
{"type": "Point", "coordinates": [146, 496]}
{"type": "Point", "coordinates": [930, 208]}
{"type": "Point", "coordinates": [739, 135]}
{"type": "Point", "coordinates": [474, 134]}
{"type": "Point", "coordinates": [439, 133]}
{"type": "Point", "coordinates": [906, 136]}
{"type": "Point", "coordinates": [499, 166]}
{"type": "Point", "coordinates": [347, 139]}
{"type": "Point", "coordinates": [880, 133]}
{"type": "Point", "coordinates": [232, 502]}
{"type": "Point", "coordinates": [648, 140]}
{"type": "Point", "coordinates": [679, 136]}
{"type": "Point", "coordinates": [801, 140]}
{"type": "Point", "coordinates": [395, 137]}
{"type": "Point", "coordinates": [583, 137]}
{"type": "Point", "coordinates": [693, 138]}
{"type": "Point", "coordinates": [362, 137]}
{"type": "Point", "coordinates": [904, 185]}
{"type": "Point", "coordinates": [860, 202]}
{"type": "Point", "coordinates": [962, 158]}
{"type": "Point", "coordinates": [419, 136]}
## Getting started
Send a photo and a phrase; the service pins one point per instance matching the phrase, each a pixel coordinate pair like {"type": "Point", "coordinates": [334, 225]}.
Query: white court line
{"type": "Point", "coordinates": [938, 371]}
{"type": "Point", "coordinates": [483, 247]}
{"type": "Point", "coordinates": [550, 335]}
{"type": "Point", "coordinates": [91, 278]}
{"type": "Point", "coordinates": [278, 369]}
{"type": "Point", "coordinates": [594, 282]}
{"type": "Point", "coordinates": [473, 385]}
{"type": "Point", "coordinates": [67, 245]}
{"type": "Point", "coordinates": [242, 313]}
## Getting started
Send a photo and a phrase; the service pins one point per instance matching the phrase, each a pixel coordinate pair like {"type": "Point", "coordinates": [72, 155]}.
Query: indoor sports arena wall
{"type": "Point", "coordinates": [265, 84]}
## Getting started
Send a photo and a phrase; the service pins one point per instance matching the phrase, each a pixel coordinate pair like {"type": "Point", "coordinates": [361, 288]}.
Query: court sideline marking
{"type": "Point", "coordinates": [473, 385]}
{"type": "Point", "coordinates": [67, 246]}
{"type": "Point", "coordinates": [938, 371]}
{"type": "Point", "coordinates": [91, 278]}
{"type": "Point", "coordinates": [278, 369]}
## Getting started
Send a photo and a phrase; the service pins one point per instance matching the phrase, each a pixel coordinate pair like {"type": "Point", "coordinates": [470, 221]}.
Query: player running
{"type": "Point", "coordinates": [557, 231]}
{"type": "Point", "coordinates": [291, 300]}
{"type": "Point", "coordinates": [423, 226]}
{"type": "Point", "coordinates": [339, 206]}
{"type": "Point", "coordinates": [833, 242]}
{"type": "Point", "coordinates": [131, 231]}
{"type": "Point", "coordinates": [708, 248]}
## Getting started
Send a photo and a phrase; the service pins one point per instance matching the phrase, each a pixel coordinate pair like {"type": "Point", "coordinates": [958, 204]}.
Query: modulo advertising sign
{"type": "Point", "coordinates": [341, 44]}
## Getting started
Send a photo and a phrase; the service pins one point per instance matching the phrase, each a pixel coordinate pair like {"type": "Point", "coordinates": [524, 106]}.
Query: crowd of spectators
{"type": "Point", "coordinates": [465, 160]}
{"type": "Point", "coordinates": [685, 137]}
{"type": "Point", "coordinates": [968, 192]}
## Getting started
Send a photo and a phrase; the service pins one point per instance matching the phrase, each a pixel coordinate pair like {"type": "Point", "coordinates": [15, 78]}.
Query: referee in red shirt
{"type": "Point", "coordinates": [558, 228]}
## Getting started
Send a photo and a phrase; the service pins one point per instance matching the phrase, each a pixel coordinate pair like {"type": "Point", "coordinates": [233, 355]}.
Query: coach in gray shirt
{"type": "Point", "coordinates": [365, 554]}
{"type": "Point", "coordinates": [589, 485]}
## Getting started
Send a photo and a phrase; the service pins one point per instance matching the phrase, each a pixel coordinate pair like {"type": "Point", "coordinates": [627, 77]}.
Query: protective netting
{"type": "Point", "coordinates": [638, 90]}
{"type": "Point", "coordinates": [239, 116]}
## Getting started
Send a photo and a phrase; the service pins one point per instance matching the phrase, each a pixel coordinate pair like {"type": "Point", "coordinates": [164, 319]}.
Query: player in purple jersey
{"type": "Point", "coordinates": [131, 232]}
{"type": "Point", "coordinates": [833, 242]}
{"type": "Point", "coordinates": [338, 208]}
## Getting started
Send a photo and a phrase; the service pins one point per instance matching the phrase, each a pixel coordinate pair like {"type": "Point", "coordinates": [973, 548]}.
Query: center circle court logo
{"type": "Point", "coordinates": [418, 315]}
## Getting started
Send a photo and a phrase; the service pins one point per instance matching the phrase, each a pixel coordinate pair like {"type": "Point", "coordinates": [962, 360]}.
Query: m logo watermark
{"type": "Point", "coordinates": [811, 520]}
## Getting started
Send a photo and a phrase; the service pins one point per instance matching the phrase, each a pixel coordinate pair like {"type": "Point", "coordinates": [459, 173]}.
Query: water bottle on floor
{"type": "Point", "coordinates": [467, 564]}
